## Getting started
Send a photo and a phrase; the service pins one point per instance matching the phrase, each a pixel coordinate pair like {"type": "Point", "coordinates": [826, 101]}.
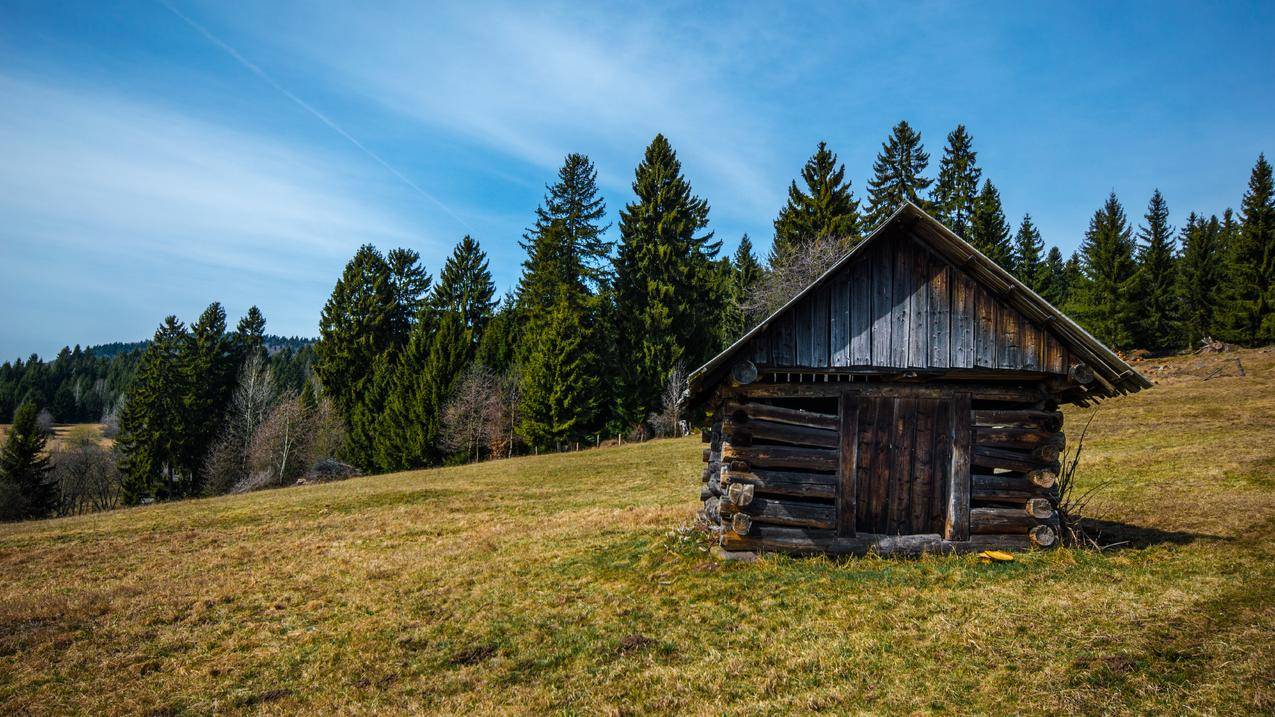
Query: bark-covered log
{"type": "Point", "coordinates": [1011, 460]}
{"type": "Point", "coordinates": [774, 511]}
{"type": "Point", "coordinates": [979, 391]}
{"type": "Point", "coordinates": [1048, 420]}
{"type": "Point", "coordinates": [1014, 437]}
{"type": "Point", "coordinates": [775, 432]}
{"type": "Point", "coordinates": [805, 542]}
{"type": "Point", "coordinates": [984, 521]}
{"type": "Point", "coordinates": [741, 412]}
{"type": "Point", "coordinates": [792, 483]}
{"type": "Point", "coordinates": [812, 459]}
{"type": "Point", "coordinates": [1005, 487]}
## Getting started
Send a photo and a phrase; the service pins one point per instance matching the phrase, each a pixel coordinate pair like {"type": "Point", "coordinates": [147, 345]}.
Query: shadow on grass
{"type": "Point", "coordinates": [1113, 535]}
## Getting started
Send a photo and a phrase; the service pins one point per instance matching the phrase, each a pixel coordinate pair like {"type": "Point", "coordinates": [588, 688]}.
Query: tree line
{"type": "Point", "coordinates": [596, 337]}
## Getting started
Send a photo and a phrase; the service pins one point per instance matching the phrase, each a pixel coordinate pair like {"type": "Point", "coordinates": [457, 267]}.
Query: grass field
{"type": "Point", "coordinates": [559, 584]}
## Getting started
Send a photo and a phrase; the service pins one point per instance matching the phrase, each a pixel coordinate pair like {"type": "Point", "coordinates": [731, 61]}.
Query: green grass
{"type": "Point", "coordinates": [562, 584]}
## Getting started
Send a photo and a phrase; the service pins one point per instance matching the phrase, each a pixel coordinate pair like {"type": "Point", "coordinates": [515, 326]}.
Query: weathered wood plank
{"type": "Point", "coordinates": [956, 525]}
{"type": "Point", "coordinates": [1055, 355]}
{"type": "Point", "coordinates": [860, 309]}
{"type": "Point", "coordinates": [985, 328]}
{"type": "Point", "coordinates": [780, 414]}
{"type": "Point", "coordinates": [778, 511]}
{"type": "Point", "coordinates": [774, 431]}
{"type": "Point", "coordinates": [1011, 351]}
{"type": "Point", "coordinates": [869, 411]}
{"type": "Point", "coordinates": [1005, 486]}
{"type": "Point", "coordinates": [963, 320]}
{"type": "Point", "coordinates": [899, 322]}
{"type": "Point", "coordinates": [1023, 439]}
{"type": "Point", "coordinates": [803, 318]}
{"type": "Point", "coordinates": [936, 511]}
{"type": "Point", "coordinates": [921, 482]}
{"type": "Point", "coordinates": [901, 471]}
{"type": "Point", "coordinates": [982, 391]}
{"type": "Point", "coordinates": [882, 305]}
{"type": "Point", "coordinates": [1010, 460]}
{"type": "Point", "coordinates": [783, 343]}
{"type": "Point", "coordinates": [1033, 346]}
{"type": "Point", "coordinates": [882, 465]}
{"type": "Point", "coordinates": [839, 315]}
{"type": "Point", "coordinates": [918, 309]}
{"type": "Point", "coordinates": [985, 521]}
{"type": "Point", "coordinates": [806, 541]}
{"type": "Point", "coordinates": [847, 473]}
{"type": "Point", "coordinates": [812, 459]}
{"type": "Point", "coordinates": [819, 326]}
{"type": "Point", "coordinates": [940, 313]}
{"type": "Point", "coordinates": [792, 483]}
{"type": "Point", "coordinates": [1048, 420]}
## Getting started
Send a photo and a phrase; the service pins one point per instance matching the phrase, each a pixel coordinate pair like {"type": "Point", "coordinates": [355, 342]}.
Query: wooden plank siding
{"type": "Point", "coordinates": [902, 306]}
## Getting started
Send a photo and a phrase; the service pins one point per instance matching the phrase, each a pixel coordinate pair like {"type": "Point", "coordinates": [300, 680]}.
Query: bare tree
{"type": "Point", "coordinates": [279, 452]}
{"type": "Point", "coordinates": [85, 473]}
{"type": "Point", "coordinates": [668, 421]}
{"type": "Point", "coordinates": [466, 415]}
{"type": "Point", "coordinates": [44, 422]}
{"type": "Point", "coordinates": [793, 272]}
{"type": "Point", "coordinates": [503, 413]}
{"type": "Point", "coordinates": [255, 396]}
{"type": "Point", "coordinates": [111, 421]}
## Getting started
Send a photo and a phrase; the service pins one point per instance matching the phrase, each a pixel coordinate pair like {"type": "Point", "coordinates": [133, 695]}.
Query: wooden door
{"type": "Point", "coordinates": [904, 465]}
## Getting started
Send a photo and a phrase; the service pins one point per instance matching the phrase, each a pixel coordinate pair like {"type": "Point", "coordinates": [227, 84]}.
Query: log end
{"type": "Point", "coordinates": [1043, 477]}
{"type": "Point", "coordinates": [743, 373]}
{"type": "Point", "coordinates": [1040, 508]}
{"type": "Point", "coordinates": [741, 523]}
{"type": "Point", "coordinates": [1043, 536]}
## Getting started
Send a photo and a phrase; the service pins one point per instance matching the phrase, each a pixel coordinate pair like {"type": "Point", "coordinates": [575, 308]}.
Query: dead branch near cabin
{"type": "Point", "coordinates": [1071, 504]}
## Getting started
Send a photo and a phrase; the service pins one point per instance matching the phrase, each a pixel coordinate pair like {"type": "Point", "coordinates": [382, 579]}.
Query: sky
{"type": "Point", "coordinates": [157, 156]}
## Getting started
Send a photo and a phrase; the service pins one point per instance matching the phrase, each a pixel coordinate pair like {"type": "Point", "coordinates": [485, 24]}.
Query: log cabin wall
{"type": "Point", "coordinates": [774, 462]}
{"type": "Point", "coordinates": [901, 306]}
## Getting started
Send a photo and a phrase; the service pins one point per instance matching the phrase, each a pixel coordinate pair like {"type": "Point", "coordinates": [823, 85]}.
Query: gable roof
{"type": "Point", "coordinates": [1113, 376]}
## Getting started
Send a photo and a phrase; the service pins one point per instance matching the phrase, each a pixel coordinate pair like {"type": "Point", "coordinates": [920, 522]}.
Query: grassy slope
{"type": "Point", "coordinates": [555, 584]}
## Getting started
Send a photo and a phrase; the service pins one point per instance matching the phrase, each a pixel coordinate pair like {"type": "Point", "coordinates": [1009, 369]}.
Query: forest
{"type": "Point", "coordinates": [592, 344]}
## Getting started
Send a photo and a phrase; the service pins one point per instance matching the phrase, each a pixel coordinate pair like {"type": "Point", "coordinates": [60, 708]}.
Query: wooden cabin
{"type": "Point", "coordinates": [905, 402]}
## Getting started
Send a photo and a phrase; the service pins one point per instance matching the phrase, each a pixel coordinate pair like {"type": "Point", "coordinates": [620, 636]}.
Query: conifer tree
{"type": "Point", "coordinates": [1053, 278]}
{"type": "Point", "coordinates": [210, 364]}
{"type": "Point", "coordinates": [559, 388]}
{"type": "Point", "coordinates": [497, 345]}
{"type": "Point", "coordinates": [1250, 313]}
{"type": "Point", "coordinates": [26, 490]}
{"type": "Point", "coordinates": [1201, 272]}
{"type": "Point", "coordinates": [154, 421]}
{"type": "Point", "coordinates": [897, 174]}
{"type": "Point", "coordinates": [1153, 289]}
{"type": "Point", "coordinates": [826, 207]}
{"type": "Point", "coordinates": [1028, 262]}
{"type": "Point", "coordinates": [989, 232]}
{"type": "Point", "coordinates": [465, 287]}
{"type": "Point", "coordinates": [409, 289]}
{"type": "Point", "coordinates": [573, 206]}
{"type": "Point", "coordinates": [663, 281]}
{"type": "Point", "coordinates": [956, 186]}
{"type": "Point", "coordinates": [1073, 282]}
{"type": "Point", "coordinates": [746, 271]}
{"type": "Point", "coordinates": [1106, 257]}
{"type": "Point", "coordinates": [359, 322]}
{"type": "Point", "coordinates": [250, 334]}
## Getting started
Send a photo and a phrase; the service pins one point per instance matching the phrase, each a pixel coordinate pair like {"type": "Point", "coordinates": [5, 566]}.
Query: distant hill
{"type": "Point", "coordinates": [273, 344]}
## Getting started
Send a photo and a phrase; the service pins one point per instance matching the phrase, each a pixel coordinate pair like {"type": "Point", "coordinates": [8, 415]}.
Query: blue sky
{"type": "Point", "coordinates": [156, 156]}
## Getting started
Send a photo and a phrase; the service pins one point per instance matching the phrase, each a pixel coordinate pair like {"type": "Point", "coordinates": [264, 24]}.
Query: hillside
{"type": "Point", "coordinates": [561, 584]}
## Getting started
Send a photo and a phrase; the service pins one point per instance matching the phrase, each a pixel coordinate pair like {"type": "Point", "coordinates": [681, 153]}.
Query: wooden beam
{"type": "Point", "coordinates": [1012, 460]}
{"type": "Point", "coordinates": [956, 524]}
{"type": "Point", "coordinates": [763, 411]}
{"type": "Point", "coordinates": [807, 542]}
{"type": "Point", "coordinates": [985, 521]}
{"type": "Point", "coordinates": [791, 483]}
{"type": "Point", "coordinates": [813, 459]}
{"type": "Point", "coordinates": [846, 467]}
{"type": "Point", "coordinates": [1048, 420]}
{"type": "Point", "coordinates": [772, 431]}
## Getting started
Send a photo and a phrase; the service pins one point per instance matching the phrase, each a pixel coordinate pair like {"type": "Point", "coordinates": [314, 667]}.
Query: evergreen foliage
{"type": "Point", "coordinates": [573, 206]}
{"type": "Point", "coordinates": [664, 283]}
{"type": "Point", "coordinates": [251, 331]}
{"type": "Point", "coordinates": [956, 187]}
{"type": "Point", "coordinates": [498, 343]}
{"type": "Point", "coordinates": [1250, 312]}
{"type": "Point", "coordinates": [1153, 291]}
{"type": "Point", "coordinates": [989, 231]}
{"type": "Point", "coordinates": [745, 272]}
{"type": "Point", "coordinates": [154, 423]}
{"type": "Point", "coordinates": [1053, 286]}
{"type": "Point", "coordinates": [26, 490]}
{"type": "Point", "coordinates": [559, 386]}
{"type": "Point", "coordinates": [1029, 265]}
{"type": "Point", "coordinates": [825, 208]}
{"type": "Point", "coordinates": [1201, 273]}
{"type": "Point", "coordinates": [897, 174]}
{"type": "Point", "coordinates": [1106, 257]}
{"type": "Point", "coordinates": [209, 362]}
{"type": "Point", "coordinates": [465, 287]}
{"type": "Point", "coordinates": [409, 288]}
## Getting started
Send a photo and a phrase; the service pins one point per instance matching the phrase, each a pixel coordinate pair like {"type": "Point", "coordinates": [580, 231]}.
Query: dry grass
{"type": "Point", "coordinates": [555, 585]}
{"type": "Point", "coordinates": [60, 431]}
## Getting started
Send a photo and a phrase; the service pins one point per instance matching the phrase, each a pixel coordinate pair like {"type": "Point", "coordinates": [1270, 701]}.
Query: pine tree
{"type": "Point", "coordinates": [1106, 256]}
{"type": "Point", "coordinates": [154, 421]}
{"type": "Point", "coordinates": [360, 321]}
{"type": "Point", "coordinates": [1028, 264]}
{"type": "Point", "coordinates": [956, 187]}
{"type": "Point", "coordinates": [1073, 282]}
{"type": "Point", "coordinates": [1153, 289]}
{"type": "Point", "coordinates": [897, 174]}
{"type": "Point", "coordinates": [498, 344]}
{"type": "Point", "coordinates": [209, 363]}
{"type": "Point", "coordinates": [559, 389]}
{"type": "Point", "coordinates": [989, 232]}
{"type": "Point", "coordinates": [572, 205]}
{"type": "Point", "coordinates": [250, 334]}
{"type": "Point", "coordinates": [663, 281]}
{"type": "Point", "coordinates": [1250, 313]}
{"type": "Point", "coordinates": [465, 287]}
{"type": "Point", "coordinates": [826, 208]}
{"type": "Point", "coordinates": [409, 287]}
{"type": "Point", "coordinates": [746, 271]}
{"type": "Point", "coordinates": [1201, 272]}
{"type": "Point", "coordinates": [1053, 278]}
{"type": "Point", "coordinates": [26, 490]}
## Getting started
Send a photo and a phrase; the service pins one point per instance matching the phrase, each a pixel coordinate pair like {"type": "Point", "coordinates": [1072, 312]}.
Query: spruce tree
{"type": "Point", "coordinates": [663, 281]}
{"type": "Point", "coordinates": [559, 388]}
{"type": "Point", "coordinates": [1106, 257]}
{"type": "Point", "coordinates": [498, 344]}
{"type": "Point", "coordinates": [1153, 291]}
{"type": "Point", "coordinates": [956, 186]}
{"type": "Point", "coordinates": [154, 421]}
{"type": "Point", "coordinates": [359, 322]}
{"type": "Point", "coordinates": [465, 287]}
{"type": "Point", "coordinates": [250, 334]}
{"type": "Point", "coordinates": [825, 208]}
{"type": "Point", "coordinates": [210, 364]}
{"type": "Point", "coordinates": [1073, 282]}
{"type": "Point", "coordinates": [1053, 278]}
{"type": "Point", "coordinates": [989, 232]}
{"type": "Point", "coordinates": [1201, 272]}
{"type": "Point", "coordinates": [1028, 263]}
{"type": "Point", "coordinates": [897, 174]}
{"type": "Point", "coordinates": [573, 206]}
{"type": "Point", "coordinates": [1251, 309]}
{"type": "Point", "coordinates": [26, 490]}
{"type": "Point", "coordinates": [409, 287]}
{"type": "Point", "coordinates": [746, 271]}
